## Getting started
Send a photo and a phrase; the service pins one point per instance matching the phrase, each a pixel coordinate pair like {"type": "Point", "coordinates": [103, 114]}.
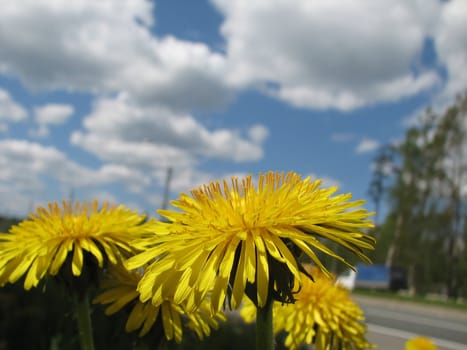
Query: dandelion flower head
{"type": "Point", "coordinates": [231, 239]}
{"type": "Point", "coordinates": [41, 244]}
{"type": "Point", "coordinates": [323, 314]}
{"type": "Point", "coordinates": [420, 343]}
{"type": "Point", "coordinates": [120, 291]}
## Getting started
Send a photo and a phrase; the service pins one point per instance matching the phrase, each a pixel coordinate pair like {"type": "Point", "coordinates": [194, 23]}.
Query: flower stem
{"type": "Point", "coordinates": [83, 317]}
{"type": "Point", "coordinates": [264, 330]}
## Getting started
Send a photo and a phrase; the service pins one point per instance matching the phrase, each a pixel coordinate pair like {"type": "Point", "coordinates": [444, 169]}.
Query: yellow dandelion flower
{"type": "Point", "coordinates": [43, 243]}
{"type": "Point", "coordinates": [230, 240]}
{"type": "Point", "coordinates": [323, 314]}
{"type": "Point", "coordinates": [420, 343]}
{"type": "Point", "coordinates": [120, 290]}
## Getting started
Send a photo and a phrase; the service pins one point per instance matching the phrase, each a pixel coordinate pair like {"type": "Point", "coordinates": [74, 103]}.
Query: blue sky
{"type": "Point", "coordinates": [99, 98]}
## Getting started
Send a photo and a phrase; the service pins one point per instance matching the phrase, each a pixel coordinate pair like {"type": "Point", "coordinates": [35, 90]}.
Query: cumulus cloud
{"type": "Point", "coordinates": [183, 178]}
{"type": "Point", "coordinates": [50, 114]}
{"type": "Point", "coordinates": [105, 196]}
{"type": "Point", "coordinates": [450, 41]}
{"type": "Point", "coordinates": [187, 76]}
{"type": "Point", "coordinates": [10, 111]}
{"type": "Point", "coordinates": [25, 165]}
{"type": "Point", "coordinates": [14, 203]}
{"type": "Point", "coordinates": [157, 137]}
{"type": "Point", "coordinates": [107, 46]}
{"type": "Point", "coordinates": [53, 113]}
{"type": "Point", "coordinates": [258, 133]}
{"type": "Point", "coordinates": [147, 88]}
{"type": "Point", "coordinates": [153, 139]}
{"type": "Point", "coordinates": [319, 54]}
{"type": "Point", "coordinates": [20, 157]}
{"type": "Point", "coordinates": [367, 145]}
{"type": "Point", "coordinates": [135, 180]}
{"type": "Point", "coordinates": [329, 54]}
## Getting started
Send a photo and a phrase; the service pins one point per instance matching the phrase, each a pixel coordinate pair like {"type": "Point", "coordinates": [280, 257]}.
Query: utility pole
{"type": "Point", "coordinates": [165, 199]}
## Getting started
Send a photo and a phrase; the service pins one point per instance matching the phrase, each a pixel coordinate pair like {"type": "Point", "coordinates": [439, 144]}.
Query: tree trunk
{"type": "Point", "coordinates": [395, 242]}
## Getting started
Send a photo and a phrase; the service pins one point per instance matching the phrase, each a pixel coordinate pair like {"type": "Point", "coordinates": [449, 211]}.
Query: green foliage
{"type": "Point", "coordinates": [7, 222]}
{"type": "Point", "coordinates": [424, 228]}
{"type": "Point", "coordinates": [43, 319]}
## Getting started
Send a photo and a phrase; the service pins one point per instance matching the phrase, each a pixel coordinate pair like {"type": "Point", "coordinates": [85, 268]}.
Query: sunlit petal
{"type": "Point", "coordinates": [323, 314]}
{"type": "Point", "coordinates": [41, 244]}
{"type": "Point", "coordinates": [237, 238]}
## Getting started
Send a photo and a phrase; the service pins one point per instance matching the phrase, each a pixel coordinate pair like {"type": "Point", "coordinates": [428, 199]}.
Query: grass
{"type": "Point", "coordinates": [414, 299]}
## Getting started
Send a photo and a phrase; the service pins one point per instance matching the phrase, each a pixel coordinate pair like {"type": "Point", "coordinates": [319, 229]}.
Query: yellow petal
{"type": "Point", "coordinates": [77, 262]}
{"type": "Point", "coordinates": [151, 313]}
{"type": "Point", "coordinates": [136, 319]}
{"type": "Point", "coordinates": [31, 279]}
{"type": "Point", "coordinates": [183, 287]}
{"type": "Point", "coordinates": [262, 272]}
{"type": "Point", "coordinates": [167, 321]}
{"type": "Point", "coordinates": [91, 247]}
{"type": "Point", "coordinates": [240, 279]}
{"type": "Point", "coordinates": [60, 256]}
{"type": "Point", "coordinates": [250, 260]}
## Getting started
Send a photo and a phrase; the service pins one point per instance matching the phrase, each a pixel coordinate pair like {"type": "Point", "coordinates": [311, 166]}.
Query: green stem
{"type": "Point", "coordinates": [264, 329]}
{"type": "Point", "coordinates": [83, 317]}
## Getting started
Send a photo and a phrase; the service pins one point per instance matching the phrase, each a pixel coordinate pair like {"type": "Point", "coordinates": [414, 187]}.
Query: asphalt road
{"type": "Point", "coordinates": [391, 323]}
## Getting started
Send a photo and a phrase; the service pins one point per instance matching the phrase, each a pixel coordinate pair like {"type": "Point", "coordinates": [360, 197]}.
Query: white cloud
{"type": "Point", "coordinates": [136, 180]}
{"type": "Point", "coordinates": [14, 203]}
{"type": "Point", "coordinates": [367, 145]}
{"type": "Point", "coordinates": [41, 131]}
{"type": "Point", "coordinates": [50, 114]}
{"type": "Point", "coordinates": [151, 139]}
{"type": "Point", "coordinates": [147, 88]}
{"type": "Point", "coordinates": [10, 111]}
{"type": "Point", "coordinates": [53, 113]}
{"type": "Point", "coordinates": [451, 45]}
{"type": "Point", "coordinates": [105, 196]}
{"type": "Point", "coordinates": [24, 160]}
{"type": "Point", "coordinates": [183, 76]}
{"type": "Point", "coordinates": [157, 137]}
{"type": "Point", "coordinates": [329, 54]}
{"type": "Point", "coordinates": [414, 118]}
{"type": "Point", "coordinates": [258, 133]}
{"type": "Point", "coordinates": [107, 46]}
{"type": "Point", "coordinates": [29, 168]}
{"type": "Point", "coordinates": [26, 166]}
{"type": "Point", "coordinates": [183, 178]}
{"type": "Point", "coordinates": [319, 54]}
